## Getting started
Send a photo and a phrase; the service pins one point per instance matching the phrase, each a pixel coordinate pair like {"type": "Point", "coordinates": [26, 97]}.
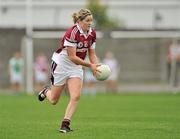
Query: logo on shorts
{"type": "Point", "coordinates": [80, 45]}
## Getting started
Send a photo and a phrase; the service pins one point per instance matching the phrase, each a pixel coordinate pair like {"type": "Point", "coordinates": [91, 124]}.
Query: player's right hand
{"type": "Point", "coordinates": [94, 68]}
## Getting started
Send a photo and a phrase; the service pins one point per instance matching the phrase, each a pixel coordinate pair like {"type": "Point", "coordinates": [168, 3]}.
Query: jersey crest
{"type": "Point", "coordinates": [79, 45]}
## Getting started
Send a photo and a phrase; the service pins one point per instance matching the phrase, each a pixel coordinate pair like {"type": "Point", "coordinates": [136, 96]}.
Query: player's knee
{"type": "Point", "coordinates": [76, 98]}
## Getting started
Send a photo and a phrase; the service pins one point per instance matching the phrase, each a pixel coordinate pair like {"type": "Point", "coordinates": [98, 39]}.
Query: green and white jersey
{"type": "Point", "coordinates": [16, 66]}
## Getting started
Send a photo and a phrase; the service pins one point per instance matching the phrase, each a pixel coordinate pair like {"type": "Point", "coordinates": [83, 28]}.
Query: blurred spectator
{"type": "Point", "coordinates": [89, 81]}
{"type": "Point", "coordinates": [112, 82]}
{"type": "Point", "coordinates": [41, 71]}
{"type": "Point", "coordinates": [16, 64]}
{"type": "Point", "coordinates": [173, 62]}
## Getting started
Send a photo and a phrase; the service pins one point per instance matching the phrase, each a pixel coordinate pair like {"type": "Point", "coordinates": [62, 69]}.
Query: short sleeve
{"type": "Point", "coordinates": [70, 37]}
{"type": "Point", "coordinates": [93, 46]}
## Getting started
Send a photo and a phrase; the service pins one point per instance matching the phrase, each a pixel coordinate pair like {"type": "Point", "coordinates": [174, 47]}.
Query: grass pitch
{"type": "Point", "coordinates": [122, 116]}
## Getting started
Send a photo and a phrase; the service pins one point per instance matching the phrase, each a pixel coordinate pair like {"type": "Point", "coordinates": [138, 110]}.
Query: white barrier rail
{"type": "Point", "coordinates": [113, 34]}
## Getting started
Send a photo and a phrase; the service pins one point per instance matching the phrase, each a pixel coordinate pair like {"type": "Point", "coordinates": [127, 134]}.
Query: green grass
{"type": "Point", "coordinates": [124, 116]}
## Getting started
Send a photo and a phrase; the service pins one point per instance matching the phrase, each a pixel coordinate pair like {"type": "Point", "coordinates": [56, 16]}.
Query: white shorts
{"type": "Point", "coordinates": [16, 78]}
{"type": "Point", "coordinates": [60, 73]}
{"type": "Point", "coordinates": [113, 76]}
{"type": "Point", "coordinates": [41, 77]}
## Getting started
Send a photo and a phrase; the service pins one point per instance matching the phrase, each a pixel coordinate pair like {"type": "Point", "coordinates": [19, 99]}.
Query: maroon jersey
{"type": "Point", "coordinates": [75, 37]}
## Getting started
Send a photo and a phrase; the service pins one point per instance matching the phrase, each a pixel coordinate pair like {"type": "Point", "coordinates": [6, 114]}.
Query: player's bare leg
{"type": "Point", "coordinates": [74, 86]}
{"type": "Point", "coordinates": [52, 93]}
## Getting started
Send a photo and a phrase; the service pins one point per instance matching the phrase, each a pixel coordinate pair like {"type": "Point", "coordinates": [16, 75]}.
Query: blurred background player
{"type": "Point", "coordinates": [173, 62]}
{"type": "Point", "coordinates": [16, 71]}
{"type": "Point", "coordinates": [112, 81]}
{"type": "Point", "coordinates": [89, 81]}
{"type": "Point", "coordinates": [41, 71]}
{"type": "Point", "coordinates": [67, 62]}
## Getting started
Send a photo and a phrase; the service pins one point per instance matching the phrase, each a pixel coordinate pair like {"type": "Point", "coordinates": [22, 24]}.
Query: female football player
{"type": "Point", "coordinates": [67, 62]}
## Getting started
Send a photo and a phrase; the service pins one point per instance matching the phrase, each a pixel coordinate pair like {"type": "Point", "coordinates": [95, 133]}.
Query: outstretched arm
{"type": "Point", "coordinates": [92, 56]}
{"type": "Point", "coordinates": [79, 61]}
{"type": "Point", "coordinates": [75, 59]}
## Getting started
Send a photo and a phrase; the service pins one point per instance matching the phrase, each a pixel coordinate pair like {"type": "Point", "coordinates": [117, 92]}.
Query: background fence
{"type": "Point", "coordinates": [139, 44]}
{"type": "Point", "coordinates": [141, 59]}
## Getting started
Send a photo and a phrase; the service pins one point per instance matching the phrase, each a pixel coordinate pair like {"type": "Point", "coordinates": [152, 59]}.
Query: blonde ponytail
{"type": "Point", "coordinates": [75, 17]}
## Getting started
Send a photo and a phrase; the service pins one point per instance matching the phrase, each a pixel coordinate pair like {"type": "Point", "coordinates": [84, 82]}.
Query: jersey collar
{"type": "Point", "coordinates": [82, 32]}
